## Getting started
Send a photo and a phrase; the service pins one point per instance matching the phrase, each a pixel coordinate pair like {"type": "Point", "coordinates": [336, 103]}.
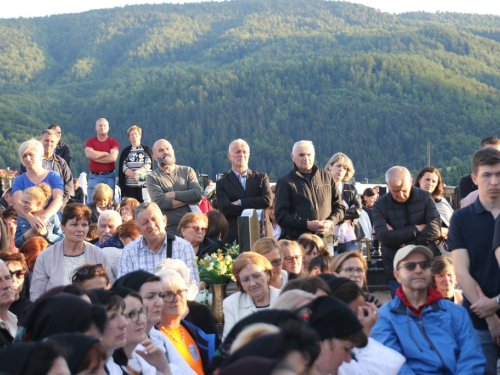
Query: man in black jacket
{"type": "Point", "coordinates": [241, 188]}
{"type": "Point", "coordinates": [406, 215]}
{"type": "Point", "coordinates": [307, 199]}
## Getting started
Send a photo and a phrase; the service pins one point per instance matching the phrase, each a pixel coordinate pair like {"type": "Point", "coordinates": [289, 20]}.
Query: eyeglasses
{"type": "Point", "coordinates": [410, 266]}
{"type": "Point", "coordinates": [276, 262]}
{"type": "Point", "coordinates": [86, 270]}
{"type": "Point", "coordinates": [291, 259]}
{"type": "Point", "coordinates": [254, 277]}
{"type": "Point", "coordinates": [170, 296]}
{"type": "Point", "coordinates": [197, 228]}
{"type": "Point", "coordinates": [134, 315]}
{"type": "Point", "coordinates": [19, 274]}
{"type": "Point", "coordinates": [352, 270]}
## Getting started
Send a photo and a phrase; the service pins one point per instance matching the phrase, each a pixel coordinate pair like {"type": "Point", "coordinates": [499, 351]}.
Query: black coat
{"type": "Point", "coordinates": [257, 195]}
{"type": "Point", "coordinates": [298, 200]}
{"type": "Point", "coordinates": [64, 151]}
{"type": "Point", "coordinates": [402, 217]}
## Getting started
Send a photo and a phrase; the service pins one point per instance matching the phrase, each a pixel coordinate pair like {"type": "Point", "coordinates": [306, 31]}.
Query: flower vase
{"type": "Point", "coordinates": [218, 295]}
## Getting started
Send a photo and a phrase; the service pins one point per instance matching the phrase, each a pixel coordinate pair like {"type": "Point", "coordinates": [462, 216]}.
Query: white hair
{"type": "Point", "coordinates": [239, 140]}
{"type": "Point", "coordinates": [110, 214]}
{"type": "Point", "coordinates": [303, 143]}
{"type": "Point", "coordinates": [292, 299]}
{"type": "Point", "coordinates": [398, 174]}
{"type": "Point", "coordinates": [171, 279]}
{"type": "Point", "coordinates": [173, 264]}
{"type": "Point", "coordinates": [144, 206]}
{"type": "Point", "coordinates": [31, 144]}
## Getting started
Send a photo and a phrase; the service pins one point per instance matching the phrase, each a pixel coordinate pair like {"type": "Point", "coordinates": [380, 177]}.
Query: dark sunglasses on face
{"type": "Point", "coordinates": [86, 270]}
{"type": "Point", "coordinates": [19, 274]}
{"type": "Point", "coordinates": [410, 266]}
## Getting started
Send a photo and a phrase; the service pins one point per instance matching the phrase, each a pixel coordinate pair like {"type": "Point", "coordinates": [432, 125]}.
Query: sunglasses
{"type": "Point", "coordinates": [410, 266]}
{"type": "Point", "coordinates": [86, 270]}
{"type": "Point", "coordinates": [19, 274]}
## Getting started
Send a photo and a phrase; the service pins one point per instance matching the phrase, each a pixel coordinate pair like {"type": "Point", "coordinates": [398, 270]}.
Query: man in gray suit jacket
{"type": "Point", "coordinates": [241, 188]}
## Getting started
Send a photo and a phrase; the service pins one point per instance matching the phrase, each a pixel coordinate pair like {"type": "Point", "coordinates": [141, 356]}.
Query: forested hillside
{"type": "Point", "coordinates": [350, 78]}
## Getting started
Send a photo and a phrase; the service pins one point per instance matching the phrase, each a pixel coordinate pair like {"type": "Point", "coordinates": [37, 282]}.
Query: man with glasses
{"type": "Point", "coordinates": [407, 215]}
{"type": "Point", "coordinates": [434, 334]}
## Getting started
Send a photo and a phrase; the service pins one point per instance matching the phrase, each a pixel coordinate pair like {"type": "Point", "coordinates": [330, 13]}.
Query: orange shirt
{"type": "Point", "coordinates": [185, 345]}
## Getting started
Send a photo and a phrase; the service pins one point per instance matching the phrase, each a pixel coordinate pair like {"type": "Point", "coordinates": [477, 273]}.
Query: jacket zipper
{"type": "Point", "coordinates": [421, 323]}
{"type": "Point", "coordinates": [313, 193]}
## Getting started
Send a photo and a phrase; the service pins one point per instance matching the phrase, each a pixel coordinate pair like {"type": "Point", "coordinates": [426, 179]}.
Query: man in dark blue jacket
{"type": "Point", "coordinates": [435, 335]}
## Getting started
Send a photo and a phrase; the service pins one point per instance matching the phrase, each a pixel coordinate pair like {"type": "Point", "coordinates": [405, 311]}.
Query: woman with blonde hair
{"type": "Point", "coordinates": [102, 200]}
{"type": "Point", "coordinates": [253, 274]}
{"type": "Point", "coordinates": [342, 169]}
{"type": "Point", "coordinates": [352, 265]}
{"type": "Point", "coordinates": [271, 250]}
{"type": "Point", "coordinates": [34, 200]}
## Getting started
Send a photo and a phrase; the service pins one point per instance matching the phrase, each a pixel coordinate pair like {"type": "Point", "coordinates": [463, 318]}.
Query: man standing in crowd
{"type": "Point", "coordinates": [155, 244]}
{"type": "Point", "coordinates": [435, 335]}
{"type": "Point", "coordinates": [8, 321]}
{"type": "Point", "coordinates": [55, 163]}
{"type": "Point", "coordinates": [470, 240]}
{"type": "Point", "coordinates": [62, 149]}
{"type": "Point", "coordinates": [241, 188]}
{"type": "Point", "coordinates": [172, 187]}
{"type": "Point", "coordinates": [466, 185]}
{"type": "Point", "coordinates": [307, 199]}
{"type": "Point", "coordinates": [102, 152]}
{"type": "Point", "coordinates": [405, 216]}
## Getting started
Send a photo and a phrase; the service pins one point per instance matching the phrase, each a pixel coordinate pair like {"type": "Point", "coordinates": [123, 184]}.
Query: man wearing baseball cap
{"type": "Point", "coordinates": [434, 334]}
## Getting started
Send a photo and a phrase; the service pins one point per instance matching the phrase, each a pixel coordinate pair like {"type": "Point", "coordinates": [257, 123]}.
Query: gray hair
{"type": "Point", "coordinates": [50, 132]}
{"type": "Point", "coordinates": [110, 214]}
{"type": "Point", "coordinates": [239, 140]}
{"type": "Point", "coordinates": [31, 144]}
{"type": "Point", "coordinates": [303, 143]}
{"type": "Point", "coordinates": [398, 174]}
{"type": "Point", "coordinates": [175, 265]}
{"type": "Point", "coordinates": [144, 206]}
{"type": "Point", "coordinates": [292, 299]}
{"type": "Point", "coordinates": [171, 279]}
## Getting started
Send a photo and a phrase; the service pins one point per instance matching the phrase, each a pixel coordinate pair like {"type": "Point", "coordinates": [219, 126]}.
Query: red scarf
{"type": "Point", "coordinates": [432, 296]}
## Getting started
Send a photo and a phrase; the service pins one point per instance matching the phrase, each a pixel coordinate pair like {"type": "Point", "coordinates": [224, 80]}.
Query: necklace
{"type": "Point", "coordinates": [165, 330]}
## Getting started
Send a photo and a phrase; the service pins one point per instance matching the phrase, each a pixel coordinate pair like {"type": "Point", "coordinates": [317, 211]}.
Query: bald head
{"type": "Point", "coordinates": [163, 153]}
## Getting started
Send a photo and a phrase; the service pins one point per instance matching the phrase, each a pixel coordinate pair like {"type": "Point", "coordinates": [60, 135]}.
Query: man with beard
{"type": "Point", "coordinates": [172, 187]}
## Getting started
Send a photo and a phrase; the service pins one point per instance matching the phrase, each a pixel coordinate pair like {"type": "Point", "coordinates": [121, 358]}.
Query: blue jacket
{"type": "Point", "coordinates": [441, 341]}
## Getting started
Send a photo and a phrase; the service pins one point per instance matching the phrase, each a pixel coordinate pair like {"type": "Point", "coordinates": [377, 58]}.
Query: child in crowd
{"type": "Point", "coordinates": [34, 200]}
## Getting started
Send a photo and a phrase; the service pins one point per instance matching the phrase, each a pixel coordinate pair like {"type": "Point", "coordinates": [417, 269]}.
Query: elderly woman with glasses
{"type": "Point", "coordinates": [20, 280]}
{"type": "Point", "coordinates": [253, 274]}
{"type": "Point", "coordinates": [192, 228]}
{"type": "Point", "coordinates": [193, 344]}
{"type": "Point", "coordinates": [271, 250]}
{"type": "Point", "coordinates": [352, 265]}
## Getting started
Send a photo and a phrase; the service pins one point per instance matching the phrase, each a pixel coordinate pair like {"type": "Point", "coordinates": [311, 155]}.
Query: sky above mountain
{"type": "Point", "coordinates": [37, 8]}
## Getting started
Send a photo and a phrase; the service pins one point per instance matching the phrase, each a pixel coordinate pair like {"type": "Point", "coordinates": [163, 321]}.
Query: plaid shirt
{"type": "Point", "coordinates": [138, 256]}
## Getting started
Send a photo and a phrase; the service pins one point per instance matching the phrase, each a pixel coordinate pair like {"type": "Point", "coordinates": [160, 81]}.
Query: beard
{"type": "Point", "coordinates": [166, 161]}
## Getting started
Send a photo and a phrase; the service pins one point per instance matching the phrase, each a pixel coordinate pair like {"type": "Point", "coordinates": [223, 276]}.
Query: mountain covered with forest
{"type": "Point", "coordinates": [373, 85]}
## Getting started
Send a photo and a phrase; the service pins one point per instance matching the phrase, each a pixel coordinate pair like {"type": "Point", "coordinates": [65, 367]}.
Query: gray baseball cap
{"type": "Point", "coordinates": [408, 249]}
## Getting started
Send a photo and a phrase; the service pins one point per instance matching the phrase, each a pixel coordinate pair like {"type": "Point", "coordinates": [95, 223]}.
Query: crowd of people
{"type": "Point", "coordinates": [110, 287]}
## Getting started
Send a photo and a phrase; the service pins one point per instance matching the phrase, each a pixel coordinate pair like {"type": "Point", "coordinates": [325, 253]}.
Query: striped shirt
{"type": "Point", "coordinates": [138, 256]}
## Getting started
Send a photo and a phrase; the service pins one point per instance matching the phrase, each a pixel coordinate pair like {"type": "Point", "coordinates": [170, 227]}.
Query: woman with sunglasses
{"type": "Point", "coordinates": [20, 280]}
{"type": "Point", "coordinates": [253, 274]}
{"type": "Point", "coordinates": [271, 250]}
{"type": "Point", "coordinates": [193, 344]}
{"type": "Point", "coordinates": [143, 356]}
{"type": "Point", "coordinates": [352, 265]}
{"type": "Point", "coordinates": [193, 227]}
{"type": "Point", "coordinates": [91, 276]}
{"type": "Point", "coordinates": [56, 265]}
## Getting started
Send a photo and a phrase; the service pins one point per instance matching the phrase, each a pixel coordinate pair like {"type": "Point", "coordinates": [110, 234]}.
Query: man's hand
{"type": "Point", "coordinates": [236, 203]}
{"type": "Point", "coordinates": [177, 204]}
{"type": "Point", "coordinates": [444, 233]}
{"type": "Point", "coordinates": [420, 227]}
{"type": "Point", "coordinates": [170, 194]}
{"type": "Point", "coordinates": [327, 225]}
{"type": "Point", "coordinates": [484, 306]}
{"type": "Point", "coordinates": [389, 227]}
{"type": "Point", "coordinates": [315, 226]}
{"type": "Point", "coordinates": [494, 328]}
